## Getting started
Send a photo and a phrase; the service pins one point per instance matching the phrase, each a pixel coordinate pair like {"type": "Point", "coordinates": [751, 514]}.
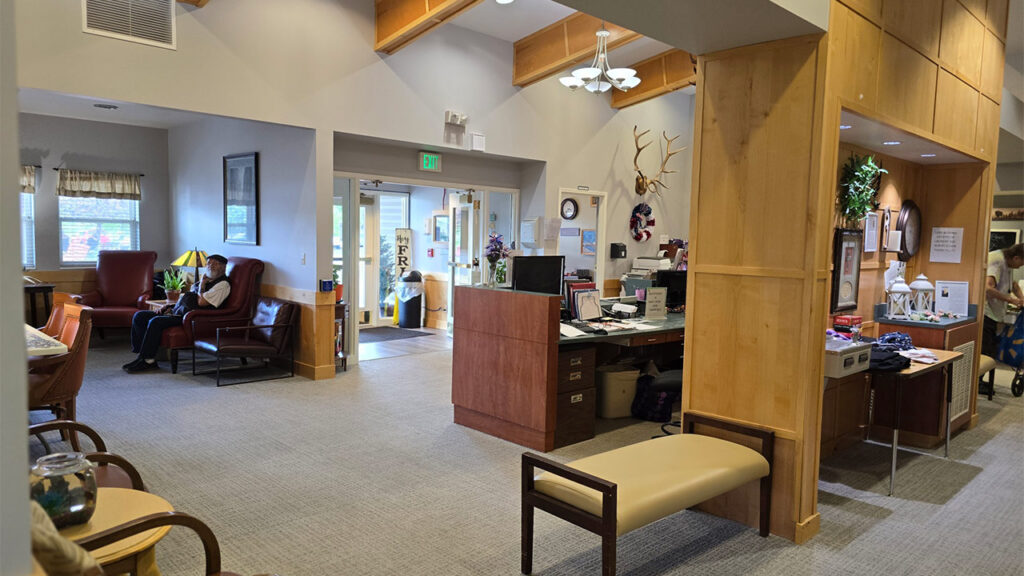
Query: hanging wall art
{"type": "Point", "coordinates": [640, 220]}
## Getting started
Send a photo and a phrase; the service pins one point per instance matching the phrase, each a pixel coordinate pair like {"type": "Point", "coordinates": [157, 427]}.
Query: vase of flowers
{"type": "Point", "coordinates": [495, 252]}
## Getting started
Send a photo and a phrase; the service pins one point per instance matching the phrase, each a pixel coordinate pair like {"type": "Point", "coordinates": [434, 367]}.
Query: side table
{"type": "Point", "coordinates": [115, 506]}
{"type": "Point", "coordinates": [47, 291]}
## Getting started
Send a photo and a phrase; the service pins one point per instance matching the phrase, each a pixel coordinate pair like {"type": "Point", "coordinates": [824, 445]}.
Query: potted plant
{"type": "Point", "coordinates": [174, 283]}
{"type": "Point", "coordinates": [858, 189]}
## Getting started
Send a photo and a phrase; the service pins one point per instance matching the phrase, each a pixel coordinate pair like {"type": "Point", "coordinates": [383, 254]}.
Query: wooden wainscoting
{"type": "Point", "coordinates": [70, 280]}
{"type": "Point", "coordinates": [314, 345]}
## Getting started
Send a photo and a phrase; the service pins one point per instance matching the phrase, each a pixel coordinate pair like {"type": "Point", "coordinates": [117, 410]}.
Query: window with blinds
{"type": "Point", "coordinates": [88, 225]}
{"type": "Point", "coordinates": [144, 21]}
{"type": "Point", "coordinates": [28, 230]}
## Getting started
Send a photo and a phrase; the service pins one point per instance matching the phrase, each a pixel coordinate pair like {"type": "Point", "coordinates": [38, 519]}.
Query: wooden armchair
{"type": "Point", "coordinates": [268, 334]}
{"type": "Point", "coordinates": [56, 319]}
{"type": "Point", "coordinates": [113, 471]}
{"type": "Point", "coordinates": [54, 381]}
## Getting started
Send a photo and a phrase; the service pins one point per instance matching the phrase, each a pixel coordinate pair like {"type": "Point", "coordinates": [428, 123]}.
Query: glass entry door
{"type": "Point", "coordinates": [463, 247]}
{"type": "Point", "coordinates": [369, 251]}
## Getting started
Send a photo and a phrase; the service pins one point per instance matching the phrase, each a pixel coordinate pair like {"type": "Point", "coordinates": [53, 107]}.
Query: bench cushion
{"type": "Point", "coordinates": [659, 477]}
{"type": "Point", "coordinates": [986, 364]}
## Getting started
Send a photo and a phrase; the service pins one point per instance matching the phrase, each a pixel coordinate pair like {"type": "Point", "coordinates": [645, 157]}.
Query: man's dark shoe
{"type": "Point", "coordinates": [129, 365]}
{"type": "Point", "coordinates": [143, 366]}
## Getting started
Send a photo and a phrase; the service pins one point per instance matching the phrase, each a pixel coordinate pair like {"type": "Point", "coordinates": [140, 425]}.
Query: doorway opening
{"type": "Point", "coordinates": [406, 226]}
{"type": "Point", "coordinates": [582, 232]}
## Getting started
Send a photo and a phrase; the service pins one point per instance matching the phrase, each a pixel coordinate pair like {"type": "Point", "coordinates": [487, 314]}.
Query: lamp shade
{"type": "Point", "coordinates": [191, 258]}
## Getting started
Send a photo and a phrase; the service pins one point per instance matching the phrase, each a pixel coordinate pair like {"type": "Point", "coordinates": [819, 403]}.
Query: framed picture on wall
{"type": "Point", "coordinates": [871, 232]}
{"type": "Point", "coordinates": [588, 243]}
{"type": "Point", "coordinates": [242, 199]}
{"type": "Point", "coordinates": [999, 239]}
{"type": "Point", "coordinates": [846, 250]}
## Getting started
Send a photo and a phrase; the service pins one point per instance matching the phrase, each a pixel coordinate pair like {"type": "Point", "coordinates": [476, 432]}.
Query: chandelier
{"type": "Point", "coordinates": [598, 77]}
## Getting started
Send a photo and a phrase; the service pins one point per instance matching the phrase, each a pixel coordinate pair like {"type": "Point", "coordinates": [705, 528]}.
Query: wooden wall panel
{"type": "Point", "coordinates": [569, 41]}
{"type": "Point", "coordinates": [992, 61]}
{"type": "Point", "coordinates": [953, 196]}
{"type": "Point", "coordinates": [956, 110]}
{"type": "Point", "coordinates": [70, 280]}
{"type": "Point", "coordinates": [870, 9]}
{"type": "Point", "coordinates": [906, 84]}
{"type": "Point", "coordinates": [963, 39]}
{"type": "Point", "coordinates": [916, 22]}
{"type": "Point", "coordinates": [661, 74]}
{"type": "Point", "coordinates": [975, 7]}
{"type": "Point", "coordinates": [399, 22]}
{"type": "Point", "coordinates": [853, 57]}
{"type": "Point", "coordinates": [996, 14]}
{"type": "Point", "coordinates": [750, 120]}
{"type": "Point", "coordinates": [986, 139]}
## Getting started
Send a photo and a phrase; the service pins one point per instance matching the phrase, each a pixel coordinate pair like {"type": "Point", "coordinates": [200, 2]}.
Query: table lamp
{"type": "Point", "coordinates": [194, 258]}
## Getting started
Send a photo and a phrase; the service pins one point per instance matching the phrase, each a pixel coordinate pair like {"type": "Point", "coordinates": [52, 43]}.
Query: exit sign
{"type": "Point", "coordinates": [430, 162]}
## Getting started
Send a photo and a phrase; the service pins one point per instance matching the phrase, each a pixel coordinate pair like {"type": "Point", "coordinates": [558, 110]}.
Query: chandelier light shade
{"type": "Point", "coordinates": [598, 77]}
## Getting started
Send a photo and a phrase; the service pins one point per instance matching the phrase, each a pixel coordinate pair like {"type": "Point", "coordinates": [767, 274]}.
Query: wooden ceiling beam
{"type": "Point", "coordinates": [659, 75]}
{"type": "Point", "coordinates": [196, 3]}
{"type": "Point", "coordinates": [567, 42]}
{"type": "Point", "coordinates": [400, 22]}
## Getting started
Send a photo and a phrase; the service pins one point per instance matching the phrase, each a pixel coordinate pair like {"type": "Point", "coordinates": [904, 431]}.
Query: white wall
{"type": "Point", "coordinates": [312, 64]}
{"type": "Point", "coordinates": [423, 202]}
{"type": "Point", "coordinates": [14, 524]}
{"type": "Point", "coordinates": [51, 141]}
{"type": "Point", "coordinates": [569, 246]}
{"type": "Point", "coordinates": [287, 194]}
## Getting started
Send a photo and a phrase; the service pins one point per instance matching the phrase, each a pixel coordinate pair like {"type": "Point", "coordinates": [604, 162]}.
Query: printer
{"type": "Point", "coordinates": [649, 264]}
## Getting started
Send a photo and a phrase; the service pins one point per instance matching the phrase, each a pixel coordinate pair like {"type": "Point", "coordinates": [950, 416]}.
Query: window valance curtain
{"type": "Point", "coordinates": [85, 184]}
{"type": "Point", "coordinates": [28, 179]}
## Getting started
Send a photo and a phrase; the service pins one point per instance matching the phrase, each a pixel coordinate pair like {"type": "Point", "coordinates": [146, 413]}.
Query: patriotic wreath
{"type": "Point", "coordinates": [640, 220]}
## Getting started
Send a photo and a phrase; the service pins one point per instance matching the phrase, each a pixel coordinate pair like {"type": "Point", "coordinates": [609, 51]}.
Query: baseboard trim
{"type": "Point", "coordinates": [807, 529]}
{"type": "Point", "coordinates": [321, 372]}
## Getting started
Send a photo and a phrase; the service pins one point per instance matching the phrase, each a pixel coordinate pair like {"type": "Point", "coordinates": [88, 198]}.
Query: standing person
{"type": "Point", "coordinates": [147, 325]}
{"type": "Point", "coordinates": [1000, 289]}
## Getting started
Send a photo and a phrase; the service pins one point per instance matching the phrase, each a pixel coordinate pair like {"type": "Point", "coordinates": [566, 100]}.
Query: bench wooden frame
{"type": "Point", "coordinates": [605, 525]}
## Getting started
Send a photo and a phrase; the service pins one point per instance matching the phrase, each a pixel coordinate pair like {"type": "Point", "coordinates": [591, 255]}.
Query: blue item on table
{"type": "Point", "coordinates": [894, 342]}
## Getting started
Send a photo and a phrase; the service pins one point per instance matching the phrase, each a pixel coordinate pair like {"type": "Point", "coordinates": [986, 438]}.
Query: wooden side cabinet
{"type": "Point", "coordinates": [844, 412]}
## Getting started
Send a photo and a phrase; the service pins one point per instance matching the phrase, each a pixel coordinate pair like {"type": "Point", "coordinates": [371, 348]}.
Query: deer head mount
{"type": "Point", "coordinates": [643, 183]}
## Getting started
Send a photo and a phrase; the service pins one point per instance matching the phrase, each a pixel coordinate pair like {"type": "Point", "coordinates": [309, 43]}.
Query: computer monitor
{"type": "Point", "coordinates": [538, 274]}
{"type": "Point", "coordinates": [675, 281]}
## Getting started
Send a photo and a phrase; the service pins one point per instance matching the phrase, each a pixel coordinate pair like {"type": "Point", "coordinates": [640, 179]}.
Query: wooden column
{"type": "Point", "coordinates": [757, 288]}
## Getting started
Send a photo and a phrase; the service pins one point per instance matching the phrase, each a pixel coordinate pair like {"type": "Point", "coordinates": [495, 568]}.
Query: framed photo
{"type": "Point", "coordinates": [440, 228]}
{"type": "Point", "coordinates": [588, 243]}
{"type": "Point", "coordinates": [242, 199]}
{"type": "Point", "coordinates": [999, 239]}
{"type": "Point", "coordinates": [846, 250]}
{"type": "Point", "coordinates": [871, 232]}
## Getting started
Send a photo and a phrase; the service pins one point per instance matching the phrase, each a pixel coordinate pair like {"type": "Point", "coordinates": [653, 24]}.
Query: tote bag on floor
{"type": "Point", "coordinates": [1011, 344]}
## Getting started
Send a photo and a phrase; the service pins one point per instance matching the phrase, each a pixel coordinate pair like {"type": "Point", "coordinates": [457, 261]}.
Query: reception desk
{"type": "Point", "coordinates": [514, 377]}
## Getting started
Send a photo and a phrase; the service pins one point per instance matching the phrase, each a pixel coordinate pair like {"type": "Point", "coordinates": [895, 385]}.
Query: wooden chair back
{"type": "Point", "coordinates": [63, 380]}
{"type": "Point", "coordinates": [56, 320]}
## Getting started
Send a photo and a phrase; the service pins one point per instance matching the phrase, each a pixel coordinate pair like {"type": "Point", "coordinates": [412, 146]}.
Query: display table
{"type": "Point", "coordinates": [915, 370]}
{"type": "Point", "coordinates": [39, 344]}
{"type": "Point", "coordinates": [115, 506]}
{"type": "Point", "coordinates": [47, 291]}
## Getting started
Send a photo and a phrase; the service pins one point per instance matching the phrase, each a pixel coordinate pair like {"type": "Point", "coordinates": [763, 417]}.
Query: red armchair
{"type": "Point", "coordinates": [244, 276]}
{"type": "Point", "coordinates": [124, 281]}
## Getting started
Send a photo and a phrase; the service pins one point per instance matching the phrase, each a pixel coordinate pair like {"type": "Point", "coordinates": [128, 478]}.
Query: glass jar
{"type": "Point", "coordinates": [65, 486]}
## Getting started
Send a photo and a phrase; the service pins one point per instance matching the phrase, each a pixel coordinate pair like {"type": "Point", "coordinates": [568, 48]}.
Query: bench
{"type": "Point", "coordinates": [615, 492]}
{"type": "Point", "coordinates": [987, 364]}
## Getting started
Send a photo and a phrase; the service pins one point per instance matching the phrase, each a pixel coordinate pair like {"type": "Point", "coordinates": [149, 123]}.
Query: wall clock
{"type": "Point", "coordinates": [909, 223]}
{"type": "Point", "coordinates": [570, 209]}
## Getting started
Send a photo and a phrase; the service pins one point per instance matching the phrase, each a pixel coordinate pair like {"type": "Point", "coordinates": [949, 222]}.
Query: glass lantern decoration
{"type": "Point", "coordinates": [923, 294]}
{"type": "Point", "coordinates": [65, 486]}
{"type": "Point", "coordinates": [899, 302]}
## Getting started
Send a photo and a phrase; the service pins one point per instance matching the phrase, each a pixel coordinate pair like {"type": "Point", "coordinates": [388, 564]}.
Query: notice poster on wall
{"type": "Point", "coordinates": [952, 297]}
{"type": "Point", "coordinates": [871, 232]}
{"type": "Point", "coordinates": [947, 245]}
{"type": "Point", "coordinates": [403, 250]}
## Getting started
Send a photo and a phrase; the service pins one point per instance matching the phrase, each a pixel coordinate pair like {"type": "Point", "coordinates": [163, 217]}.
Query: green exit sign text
{"type": "Point", "coordinates": [430, 162]}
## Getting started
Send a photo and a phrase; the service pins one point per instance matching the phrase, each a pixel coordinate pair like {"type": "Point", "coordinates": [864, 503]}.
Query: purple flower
{"type": "Point", "coordinates": [496, 249]}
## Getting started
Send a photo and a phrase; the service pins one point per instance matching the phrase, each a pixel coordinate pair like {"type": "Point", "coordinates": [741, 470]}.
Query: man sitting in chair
{"type": "Point", "coordinates": [148, 325]}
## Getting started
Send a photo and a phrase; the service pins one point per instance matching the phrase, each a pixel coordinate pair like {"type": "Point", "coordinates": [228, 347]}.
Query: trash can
{"type": "Point", "coordinates": [409, 289]}
{"type": "Point", "coordinates": [616, 387]}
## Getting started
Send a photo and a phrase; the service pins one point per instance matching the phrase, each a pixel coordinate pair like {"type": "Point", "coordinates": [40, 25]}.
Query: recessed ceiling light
{"type": "Point", "coordinates": [106, 106]}
{"type": "Point", "coordinates": [891, 143]}
{"type": "Point", "coordinates": [504, 1]}
{"type": "Point", "coordinates": [927, 155]}
{"type": "Point", "coordinates": [845, 126]}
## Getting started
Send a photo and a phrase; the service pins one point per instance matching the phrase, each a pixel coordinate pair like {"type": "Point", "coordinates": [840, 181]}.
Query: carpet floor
{"type": "Point", "coordinates": [366, 474]}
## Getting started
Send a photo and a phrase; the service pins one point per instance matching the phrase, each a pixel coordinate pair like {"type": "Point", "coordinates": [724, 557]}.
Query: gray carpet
{"type": "Point", "coordinates": [388, 333]}
{"type": "Point", "coordinates": [367, 474]}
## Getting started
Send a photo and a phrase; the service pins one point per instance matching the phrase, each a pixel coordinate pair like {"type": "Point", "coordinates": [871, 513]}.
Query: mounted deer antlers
{"type": "Point", "coordinates": [643, 183]}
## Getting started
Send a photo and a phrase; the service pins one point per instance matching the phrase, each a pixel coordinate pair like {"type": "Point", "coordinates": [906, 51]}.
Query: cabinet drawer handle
{"type": "Point", "coordinates": [652, 339]}
{"type": "Point", "coordinates": [577, 375]}
{"type": "Point", "coordinates": [575, 398]}
{"type": "Point", "coordinates": [577, 361]}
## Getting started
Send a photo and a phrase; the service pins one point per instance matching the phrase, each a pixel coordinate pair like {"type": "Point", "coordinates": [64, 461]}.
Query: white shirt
{"type": "Point", "coordinates": [216, 295]}
{"type": "Point", "coordinates": [997, 268]}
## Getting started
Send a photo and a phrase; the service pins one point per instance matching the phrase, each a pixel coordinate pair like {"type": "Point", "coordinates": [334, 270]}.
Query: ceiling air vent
{"type": "Point", "coordinates": [144, 21]}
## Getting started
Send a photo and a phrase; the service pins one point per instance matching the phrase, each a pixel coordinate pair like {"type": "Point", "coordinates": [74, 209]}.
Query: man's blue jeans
{"type": "Point", "coordinates": [147, 327]}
